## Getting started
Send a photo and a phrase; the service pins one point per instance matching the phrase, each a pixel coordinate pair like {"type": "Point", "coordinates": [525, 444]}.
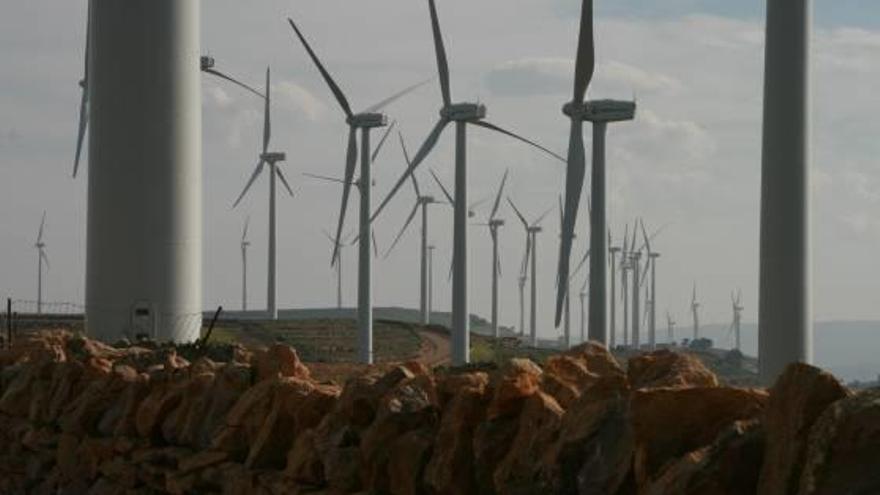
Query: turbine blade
{"type": "Point", "coordinates": [585, 63]}
{"type": "Point", "coordinates": [382, 141]}
{"type": "Point", "coordinates": [406, 225]}
{"type": "Point", "coordinates": [574, 184]}
{"type": "Point", "coordinates": [45, 259]}
{"type": "Point", "coordinates": [83, 125]}
{"type": "Point", "coordinates": [375, 245]}
{"type": "Point", "coordinates": [493, 127]}
{"type": "Point", "coordinates": [581, 264]}
{"type": "Point", "coordinates": [244, 232]}
{"type": "Point", "coordinates": [443, 188]}
{"type": "Point", "coordinates": [518, 213]}
{"type": "Point", "coordinates": [324, 178]}
{"type": "Point", "coordinates": [497, 203]}
{"type": "Point", "coordinates": [350, 164]}
{"type": "Point", "coordinates": [647, 244]}
{"type": "Point", "coordinates": [415, 183]}
{"type": "Point", "coordinates": [267, 117]}
{"type": "Point", "coordinates": [542, 217]}
{"type": "Point", "coordinates": [645, 272]}
{"type": "Point", "coordinates": [426, 148]}
{"type": "Point", "coordinates": [391, 99]}
{"type": "Point", "coordinates": [477, 204]}
{"type": "Point", "coordinates": [561, 215]}
{"type": "Point", "coordinates": [340, 96]}
{"type": "Point", "coordinates": [231, 79]}
{"type": "Point", "coordinates": [283, 180]}
{"type": "Point", "coordinates": [42, 227]}
{"type": "Point", "coordinates": [440, 50]}
{"type": "Point", "coordinates": [253, 178]}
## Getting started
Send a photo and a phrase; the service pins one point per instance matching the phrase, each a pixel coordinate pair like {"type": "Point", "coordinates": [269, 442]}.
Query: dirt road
{"type": "Point", "coordinates": [436, 348]}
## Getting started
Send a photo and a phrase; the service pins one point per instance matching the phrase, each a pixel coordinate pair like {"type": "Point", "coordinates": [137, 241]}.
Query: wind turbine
{"type": "Point", "coordinates": [612, 330]}
{"type": "Point", "coordinates": [430, 282]}
{"type": "Point", "coordinates": [365, 122]}
{"type": "Point", "coordinates": [652, 289]}
{"type": "Point", "coordinates": [41, 257]}
{"type": "Point", "coordinates": [583, 296]}
{"type": "Point", "coordinates": [695, 308]}
{"type": "Point", "coordinates": [495, 224]}
{"type": "Point", "coordinates": [625, 266]}
{"type": "Point", "coordinates": [272, 159]}
{"type": "Point", "coordinates": [532, 230]}
{"type": "Point", "coordinates": [736, 325]}
{"type": "Point", "coordinates": [785, 319]}
{"type": "Point", "coordinates": [422, 202]}
{"type": "Point", "coordinates": [670, 328]}
{"type": "Point", "coordinates": [635, 261]}
{"type": "Point", "coordinates": [245, 244]}
{"type": "Point", "coordinates": [461, 114]}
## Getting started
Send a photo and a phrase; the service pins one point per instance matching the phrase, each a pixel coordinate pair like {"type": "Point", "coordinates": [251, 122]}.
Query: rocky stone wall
{"type": "Point", "coordinates": [77, 416]}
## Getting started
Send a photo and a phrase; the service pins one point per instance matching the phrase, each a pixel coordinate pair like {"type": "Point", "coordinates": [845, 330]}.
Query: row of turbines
{"type": "Point", "coordinates": [144, 220]}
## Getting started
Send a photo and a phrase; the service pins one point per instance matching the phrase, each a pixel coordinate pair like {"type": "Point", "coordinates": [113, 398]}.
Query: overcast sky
{"type": "Point", "coordinates": [691, 158]}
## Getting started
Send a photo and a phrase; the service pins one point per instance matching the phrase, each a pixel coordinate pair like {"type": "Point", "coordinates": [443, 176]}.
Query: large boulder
{"type": "Point", "coordinates": [670, 422]}
{"type": "Point", "coordinates": [797, 399]}
{"type": "Point", "coordinates": [520, 471]}
{"type": "Point", "coordinates": [665, 368]}
{"type": "Point", "coordinates": [281, 360]}
{"type": "Point", "coordinates": [519, 379]}
{"type": "Point", "coordinates": [842, 456]}
{"type": "Point", "coordinates": [565, 378]}
{"type": "Point", "coordinates": [83, 415]}
{"type": "Point", "coordinates": [594, 449]}
{"type": "Point", "coordinates": [597, 358]}
{"type": "Point", "coordinates": [451, 468]}
{"type": "Point", "coordinates": [729, 466]}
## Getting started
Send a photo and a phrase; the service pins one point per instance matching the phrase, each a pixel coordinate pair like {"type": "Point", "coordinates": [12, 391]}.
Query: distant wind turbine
{"type": "Point", "coordinates": [651, 264]}
{"type": "Point", "coordinates": [612, 329]}
{"type": "Point", "coordinates": [583, 296]}
{"type": "Point", "coordinates": [41, 257]}
{"type": "Point", "coordinates": [736, 324]}
{"type": "Point", "coordinates": [461, 114]}
{"type": "Point", "coordinates": [365, 122]}
{"type": "Point", "coordinates": [245, 244]}
{"type": "Point", "coordinates": [532, 230]}
{"type": "Point", "coordinates": [494, 224]}
{"type": "Point", "coordinates": [695, 311]}
{"type": "Point", "coordinates": [272, 159]}
{"type": "Point", "coordinates": [670, 328]}
{"type": "Point", "coordinates": [421, 202]}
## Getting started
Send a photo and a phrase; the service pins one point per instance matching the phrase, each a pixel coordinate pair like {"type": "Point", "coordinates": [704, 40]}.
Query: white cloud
{"type": "Point", "coordinates": [294, 97]}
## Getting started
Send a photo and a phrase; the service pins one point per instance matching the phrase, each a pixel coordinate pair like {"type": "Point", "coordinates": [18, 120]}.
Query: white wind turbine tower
{"type": "Point", "coordinates": [245, 244]}
{"type": "Point", "coordinates": [625, 267]}
{"type": "Point", "coordinates": [495, 224]}
{"type": "Point", "coordinates": [430, 282]}
{"type": "Point", "coordinates": [272, 159]}
{"type": "Point", "coordinates": [670, 328]}
{"type": "Point", "coordinates": [635, 266]}
{"type": "Point", "coordinates": [339, 246]}
{"type": "Point", "coordinates": [532, 230]}
{"type": "Point", "coordinates": [736, 324]}
{"type": "Point", "coordinates": [695, 311]}
{"type": "Point", "coordinates": [461, 114]}
{"type": "Point", "coordinates": [583, 296]}
{"type": "Point", "coordinates": [422, 202]}
{"type": "Point", "coordinates": [363, 122]}
{"type": "Point", "coordinates": [41, 257]}
{"type": "Point", "coordinates": [785, 319]}
{"type": "Point", "coordinates": [612, 329]}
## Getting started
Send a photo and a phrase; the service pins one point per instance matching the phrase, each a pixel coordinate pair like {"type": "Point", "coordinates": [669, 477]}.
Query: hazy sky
{"type": "Point", "coordinates": [692, 157]}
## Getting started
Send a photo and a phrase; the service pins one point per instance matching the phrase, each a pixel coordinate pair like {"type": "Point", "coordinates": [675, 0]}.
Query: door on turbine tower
{"type": "Point", "coordinates": [143, 321]}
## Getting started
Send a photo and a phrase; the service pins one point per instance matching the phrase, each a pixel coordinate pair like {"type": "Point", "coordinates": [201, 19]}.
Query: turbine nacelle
{"type": "Point", "coordinates": [495, 223]}
{"type": "Point", "coordinates": [602, 110]}
{"type": "Point", "coordinates": [273, 157]}
{"type": "Point", "coordinates": [464, 112]}
{"type": "Point", "coordinates": [614, 250]}
{"type": "Point", "coordinates": [368, 120]}
{"type": "Point", "coordinates": [207, 62]}
{"type": "Point", "coordinates": [535, 230]}
{"type": "Point", "coordinates": [427, 200]}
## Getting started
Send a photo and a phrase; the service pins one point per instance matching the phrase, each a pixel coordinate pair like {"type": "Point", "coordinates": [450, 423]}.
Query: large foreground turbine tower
{"type": "Point", "coordinates": [144, 241]}
{"type": "Point", "coordinates": [785, 314]}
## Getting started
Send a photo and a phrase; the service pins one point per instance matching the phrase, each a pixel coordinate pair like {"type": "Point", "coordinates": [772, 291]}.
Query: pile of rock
{"type": "Point", "coordinates": [80, 417]}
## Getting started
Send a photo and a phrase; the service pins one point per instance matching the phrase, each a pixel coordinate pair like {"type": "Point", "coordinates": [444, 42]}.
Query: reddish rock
{"type": "Point", "coordinates": [518, 381]}
{"type": "Point", "coordinates": [492, 441]}
{"type": "Point", "coordinates": [594, 449]}
{"type": "Point", "coordinates": [270, 445]}
{"type": "Point", "coordinates": [84, 413]}
{"type": "Point", "coordinates": [797, 399]}
{"type": "Point", "coordinates": [451, 468]}
{"type": "Point", "coordinates": [245, 419]}
{"type": "Point", "coordinates": [670, 422]}
{"type": "Point", "coordinates": [539, 422]}
{"type": "Point", "coordinates": [449, 385]}
{"type": "Point", "coordinates": [842, 456]}
{"type": "Point", "coordinates": [282, 360]}
{"type": "Point", "coordinates": [665, 368]}
{"type": "Point", "coordinates": [408, 456]}
{"type": "Point", "coordinates": [597, 358]}
{"type": "Point", "coordinates": [178, 424]}
{"type": "Point", "coordinates": [729, 466]}
{"type": "Point", "coordinates": [165, 395]}
{"type": "Point", "coordinates": [411, 405]}
{"type": "Point", "coordinates": [565, 377]}
{"type": "Point", "coordinates": [202, 414]}
{"type": "Point", "coordinates": [304, 462]}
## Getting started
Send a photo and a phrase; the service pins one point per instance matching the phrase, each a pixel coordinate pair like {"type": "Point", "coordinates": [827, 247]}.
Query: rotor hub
{"type": "Point", "coordinates": [464, 112]}
{"type": "Point", "coordinates": [207, 62]}
{"type": "Point", "coordinates": [273, 157]}
{"type": "Point", "coordinates": [495, 223]}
